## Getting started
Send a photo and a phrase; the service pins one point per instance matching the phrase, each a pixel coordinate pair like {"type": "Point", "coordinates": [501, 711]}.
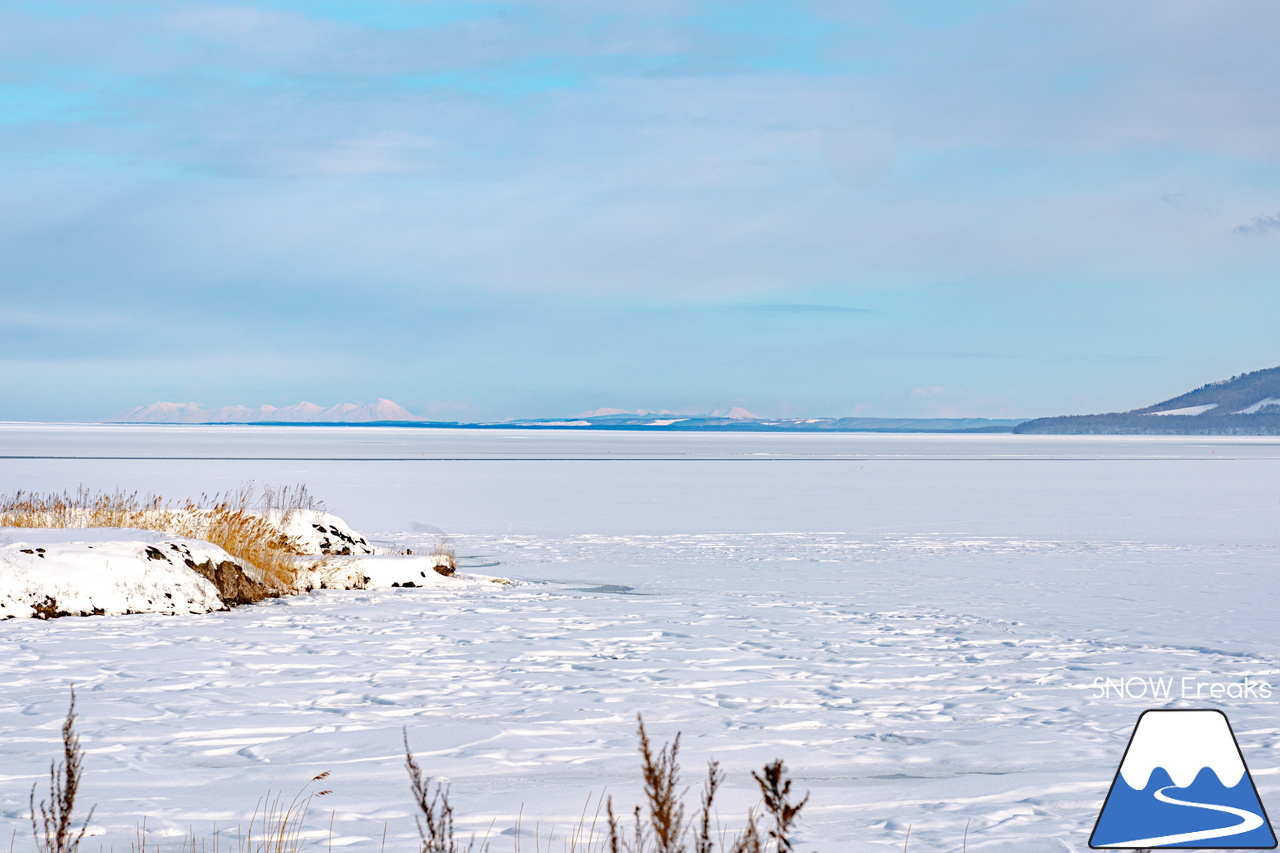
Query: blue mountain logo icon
{"type": "Point", "coordinates": [1183, 783]}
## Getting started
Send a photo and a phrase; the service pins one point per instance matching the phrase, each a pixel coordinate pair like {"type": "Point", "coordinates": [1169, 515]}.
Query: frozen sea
{"type": "Point", "coordinates": [914, 623]}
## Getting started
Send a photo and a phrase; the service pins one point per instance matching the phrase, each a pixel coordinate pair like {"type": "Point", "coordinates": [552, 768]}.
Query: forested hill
{"type": "Point", "coordinates": [1248, 404]}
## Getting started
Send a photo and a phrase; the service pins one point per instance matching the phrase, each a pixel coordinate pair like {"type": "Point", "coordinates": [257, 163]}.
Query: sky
{"type": "Point", "coordinates": [490, 210]}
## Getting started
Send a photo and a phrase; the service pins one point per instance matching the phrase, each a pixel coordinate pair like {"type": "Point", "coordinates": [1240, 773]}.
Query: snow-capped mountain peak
{"type": "Point", "coordinates": [191, 413]}
{"type": "Point", "coordinates": [1183, 743]}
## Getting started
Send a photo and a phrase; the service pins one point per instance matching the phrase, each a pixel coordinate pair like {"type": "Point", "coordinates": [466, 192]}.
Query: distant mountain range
{"type": "Point", "coordinates": [388, 412]}
{"type": "Point", "coordinates": [190, 413]}
{"type": "Point", "coordinates": [1248, 404]}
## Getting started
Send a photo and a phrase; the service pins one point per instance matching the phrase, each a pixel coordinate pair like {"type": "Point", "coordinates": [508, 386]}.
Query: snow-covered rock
{"type": "Point", "coordinates": [319, 532]}
{"type": "Point", "coordinates": [383, 571]}
{"type": "Point", "coordinates": [83, 572]}
{"type": "Point", "coordinates": [47, 572]}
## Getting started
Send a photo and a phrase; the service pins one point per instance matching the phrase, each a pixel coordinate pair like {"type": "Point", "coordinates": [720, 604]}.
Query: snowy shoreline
{"type": "Point", "coordinates": [47, 573]}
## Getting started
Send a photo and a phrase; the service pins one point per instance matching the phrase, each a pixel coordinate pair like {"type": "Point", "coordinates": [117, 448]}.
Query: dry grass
{"type": "Point", "coordinates": [659, 826]}
{"type": "Point", "coordinates": [444, 553]}
{"type": "Point", "coordinates": [276, 824]}
{"type": "Point", "coordinates": [446, 556]}
{"type": "Point", "coordinates": [435, 815]}
{"type": "Point", "coordinates": [274, 827]}
{"type": "Point", "coordinates": [227, 520]}
{"type": "Point", "coordinates": [55, 831]}
{"type": "Point", "coordinates": [280, 503]}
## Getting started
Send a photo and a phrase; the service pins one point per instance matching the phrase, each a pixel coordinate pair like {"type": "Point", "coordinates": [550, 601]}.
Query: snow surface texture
{"type": "Point", "coordinates": [914, 623]}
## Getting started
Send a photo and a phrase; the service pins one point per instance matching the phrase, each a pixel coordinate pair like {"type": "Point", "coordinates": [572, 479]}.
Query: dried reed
{"type": "Point", "coordinates": [660, 826]}
{"type": "Point", "coordinates": [446, 556]}
{"type": "Point", "coordinates": [54, 832]}
{"type": "Point", "coordinates": [274, 827]}
{"type": "Point", "coordinates": [280, 503]}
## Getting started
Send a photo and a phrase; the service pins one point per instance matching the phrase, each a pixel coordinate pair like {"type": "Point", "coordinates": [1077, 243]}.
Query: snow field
{"type": "Point", "coordinates": [922, 646]}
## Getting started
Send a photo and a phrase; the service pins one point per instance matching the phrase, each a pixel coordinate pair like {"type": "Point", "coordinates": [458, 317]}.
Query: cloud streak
{"type": "Point", "coordinates": [799, 308]}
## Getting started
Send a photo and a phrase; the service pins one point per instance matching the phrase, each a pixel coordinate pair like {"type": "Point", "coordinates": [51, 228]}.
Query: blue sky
{"type": "Point", "coordinates": [521, 209]}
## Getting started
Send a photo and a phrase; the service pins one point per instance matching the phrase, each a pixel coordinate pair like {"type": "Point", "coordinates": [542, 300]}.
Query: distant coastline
{"type": "Point", "coordinates": [807, 425]}
{"type": "Point", "coordinates": [1247, 404]}
{"type": "Point", "coordinates": [1127, 423]}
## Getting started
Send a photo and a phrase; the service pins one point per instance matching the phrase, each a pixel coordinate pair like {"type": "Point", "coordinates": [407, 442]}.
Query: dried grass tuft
{"type": "Point", "coordinates": [661, 771]}
{"type": "Point", "coordinates": [446, 556]}
{"type": "Point", "coordinates": [775, 791]}
{"type": "Point", "coordinates": [435, 814]}
{"type": "Point", "coordinates": [55, 832]}
{"type": "Point", "coordinates": [283, 502]}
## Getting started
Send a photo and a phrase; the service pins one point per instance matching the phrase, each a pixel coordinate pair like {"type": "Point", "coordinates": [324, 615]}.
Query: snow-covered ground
{"type": "Point", "coordinates": [915, 623]}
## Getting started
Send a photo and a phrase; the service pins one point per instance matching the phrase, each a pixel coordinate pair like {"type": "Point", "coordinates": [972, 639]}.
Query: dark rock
{"type": "Point", "coordinates": [234, 586]}
{"type": "Point", "coordinates": [353, 542]}
{"type": "Point", "coordinates": [47, 609]}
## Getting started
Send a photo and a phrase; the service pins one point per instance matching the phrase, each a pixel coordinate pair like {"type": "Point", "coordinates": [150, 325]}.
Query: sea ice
{"type": "Point", "coordinates": [927, 629]}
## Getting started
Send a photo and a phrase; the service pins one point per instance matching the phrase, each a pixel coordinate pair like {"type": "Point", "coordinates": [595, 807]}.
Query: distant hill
{"type": "Point", "coordinates": [740, 420]}
{"type": "Point", "coordinates": [1248, 404]}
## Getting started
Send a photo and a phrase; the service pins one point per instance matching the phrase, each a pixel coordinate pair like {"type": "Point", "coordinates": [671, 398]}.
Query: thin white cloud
{"type": "Point", "coordinates": [72, 320]}
{"type": "Point", "coordinates": [1260, 225]}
